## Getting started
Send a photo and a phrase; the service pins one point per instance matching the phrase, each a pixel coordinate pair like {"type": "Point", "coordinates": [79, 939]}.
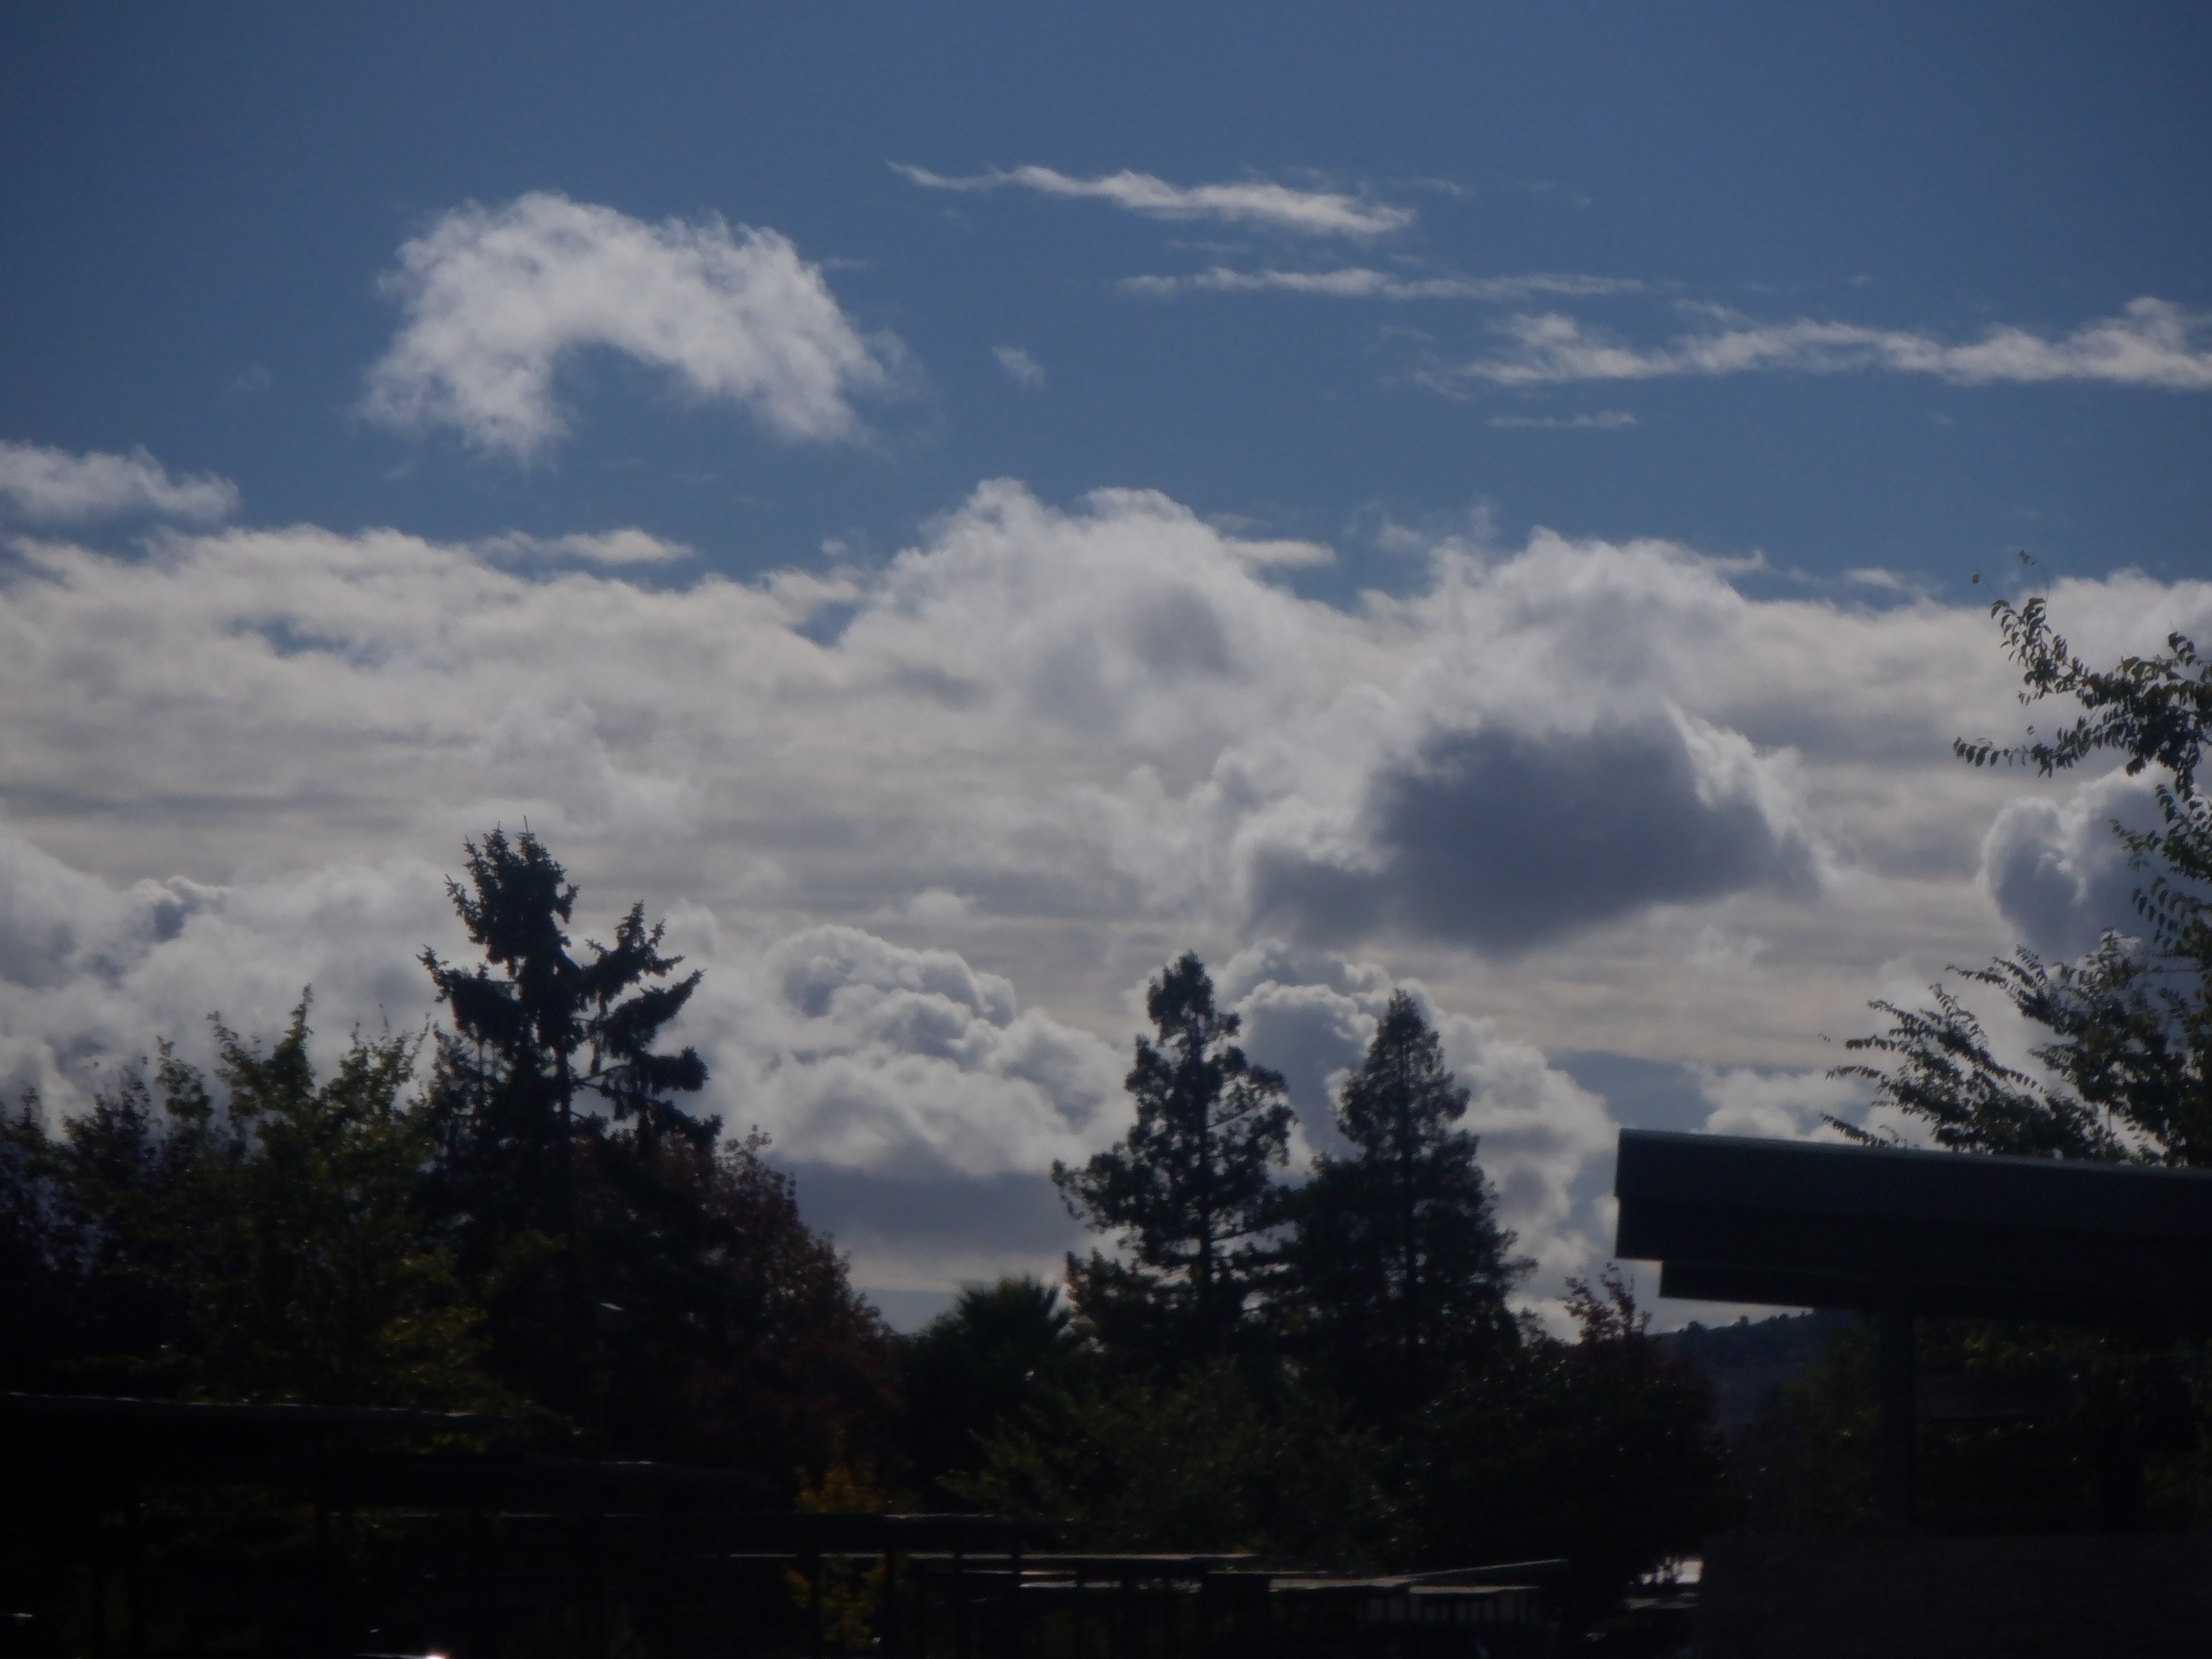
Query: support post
{"type": "Point", "coordinates": [1898, 1408]}
{"type": "Point", "coordinates": [134, 1583]}
{"type": "Point", "coordinates": [814, 1647]}
{"type": "Point", "coordinates": [961, 1647]}
{"type": "Point", "coordinates": [892, 1650]}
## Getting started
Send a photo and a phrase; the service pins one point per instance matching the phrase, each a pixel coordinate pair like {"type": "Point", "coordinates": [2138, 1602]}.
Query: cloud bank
{"type": "Point", "coordinates": [494, 298]}
{"type": "Point", "coordinates": [2152, 343]}
{"type": "Point", "coordinates": [53, 486]}
{"type": "Point", "coordinates": [1251, 202]}
{"type": "Point", "coordinates": [931, 826]}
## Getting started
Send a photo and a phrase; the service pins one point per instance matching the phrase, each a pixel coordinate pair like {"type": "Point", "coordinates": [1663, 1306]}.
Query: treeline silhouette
{"type": "Point", "coordinates": [1326, 1371]}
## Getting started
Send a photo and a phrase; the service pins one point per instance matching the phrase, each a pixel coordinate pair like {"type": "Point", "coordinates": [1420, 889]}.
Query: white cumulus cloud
{"type": "Point", "coordinates": [1588, 793]}
{"type": "Point", "coordinates": [1247, 202]}
{"type": "Point", "coordinates": [495, 298]}
{"type": "Point", "coordinates": [2058, 873]}
{"type": "Point", "coordinates": [54, 486]}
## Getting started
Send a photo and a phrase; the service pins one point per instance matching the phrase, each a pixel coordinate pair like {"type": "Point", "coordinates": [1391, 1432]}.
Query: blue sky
{"type": "Point", "coordinates": [1546, 453]}
{"type": "Point", "coordinates": [200, 203]}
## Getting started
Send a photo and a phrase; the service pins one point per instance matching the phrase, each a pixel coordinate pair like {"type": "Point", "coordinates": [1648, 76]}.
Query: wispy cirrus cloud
{"type": "Point", "coordinates": [495, 298]}
{"type": "Point", "coordinates": [53, 486]}
{"type": "Point", "coordinates": [1600, 420]}
{"type": "Point", "coordinates": [1364, 282]}
{"type": "Point", "coordinates": [1247, 202]}
{"type": "Point", "coordinates": [628, 546]}
{"type": "Point", "coordinates": [1021, 368]}
{"type": "Point", "coordinates": [2152, 343]}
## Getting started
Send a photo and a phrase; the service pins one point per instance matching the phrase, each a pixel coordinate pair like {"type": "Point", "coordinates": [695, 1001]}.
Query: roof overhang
{"type": "Point", "coordinates": [1796, 1224]}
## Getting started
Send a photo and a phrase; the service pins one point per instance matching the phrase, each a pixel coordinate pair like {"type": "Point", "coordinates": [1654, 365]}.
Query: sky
{"type": "Point", "coordinates": [954, 506]}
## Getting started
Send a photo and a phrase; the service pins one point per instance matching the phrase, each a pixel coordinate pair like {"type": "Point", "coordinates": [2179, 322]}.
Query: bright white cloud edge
{"type": "Point", "coordinates": [493, 299]}
{"type": "Point", "coordinates": [55, 486]}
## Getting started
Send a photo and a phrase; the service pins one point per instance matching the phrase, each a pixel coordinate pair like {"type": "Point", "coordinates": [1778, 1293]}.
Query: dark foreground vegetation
{"type": "Point", "coordinates": [1326, 1372]}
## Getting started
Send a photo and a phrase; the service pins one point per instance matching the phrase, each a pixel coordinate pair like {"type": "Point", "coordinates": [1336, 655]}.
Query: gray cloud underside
{"type": "Point", "coordinates": [1507, 839]}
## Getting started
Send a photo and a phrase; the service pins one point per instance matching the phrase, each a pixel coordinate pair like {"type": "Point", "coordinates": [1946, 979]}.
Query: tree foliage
{"type": "Point", "coordinates": [1399, 1269]}
{"type": "Point", "coordinates": [1203, 1462]}
{"type": "Point", "coordinates": [261, 1241]}
{"type": "Point", "coordinates": [980, 1364]}
{"type": "Point", "coordinates": [1191, 1188]}
{"type": "Point", "coordinates": [541, 1228]}
{"type": "Point", "coordinates": [527, 1040]}
{"type": "Point", "coordinates": [1363, 1395]}
{"type": "Point", "coordinates": [654, 1283]}
{"type": "Point", "coordinates": [1603, 1451]}
{"type": "Point", "coordinates": [2126, 1065]}
{"type": "Point", "coordinates": [2121, 1069]}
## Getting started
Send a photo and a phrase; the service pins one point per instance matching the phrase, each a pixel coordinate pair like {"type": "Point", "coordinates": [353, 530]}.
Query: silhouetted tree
{"type": "Point", "coordinates": [263, 1242]}
{"type": "Point", "coordinates": [988, 1360]}
{"type": "Point", "coordinates": [651, 1283]}
{"type": "Point", "coordinates": [40, 1257]}
{"type": "Point", "coordinates": [527, 1040]}
{"type": "Point", "coordinates": [1399, 1270]}
{"type": "Point", "coordinates": [727, 1331]}
{"type": "Point", "coordinates": [1189, 1189]}
{"type": "Point", "coordinates": [2127, 1067]}
{"type": "Point", "coordinates": [547, 1084]}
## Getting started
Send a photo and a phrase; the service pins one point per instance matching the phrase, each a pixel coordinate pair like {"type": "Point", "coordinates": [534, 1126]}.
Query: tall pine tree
{"type": "Point", "coordinates": [1189, 1189]}
{"type": "Point", "coordinates": [552, 1111]}
{"type": "Point", "coordinates": [1398, 1266]}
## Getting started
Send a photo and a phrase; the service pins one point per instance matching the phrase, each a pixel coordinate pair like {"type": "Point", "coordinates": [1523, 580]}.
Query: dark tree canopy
{"type": "Point", "coordinates": [641, 1279]}
{"type": "Point", "coordinates": [996, 1352]}
{"type": "Point", "coordinates": [1397, 1257]}
{"type": "Point", "coordinates": [1603, 1451]}
{"type": "Point", "coordinates": [542, 1229]}
{"type": "Point", "coordinates": [263, 1244]}
{"type": "Point", "coordinates": [526, 1040]}
{"type": "Point", "coordinates": [1190, 1189]}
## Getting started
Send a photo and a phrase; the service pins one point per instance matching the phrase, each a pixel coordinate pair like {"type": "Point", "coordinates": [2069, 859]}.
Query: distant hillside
{"type": "Point", "coordinates": [1748, 1361]}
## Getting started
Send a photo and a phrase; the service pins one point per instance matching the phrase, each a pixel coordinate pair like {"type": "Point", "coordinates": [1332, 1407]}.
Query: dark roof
{"type": "Point", "coordinates": [1797, 1223]}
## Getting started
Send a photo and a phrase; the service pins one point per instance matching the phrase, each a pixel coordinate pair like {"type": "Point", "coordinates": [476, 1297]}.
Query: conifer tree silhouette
{"type": "Point", "coordinates": [1189, 1188]}
{"type": "Point", "coordinates": [1397, 1251]}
